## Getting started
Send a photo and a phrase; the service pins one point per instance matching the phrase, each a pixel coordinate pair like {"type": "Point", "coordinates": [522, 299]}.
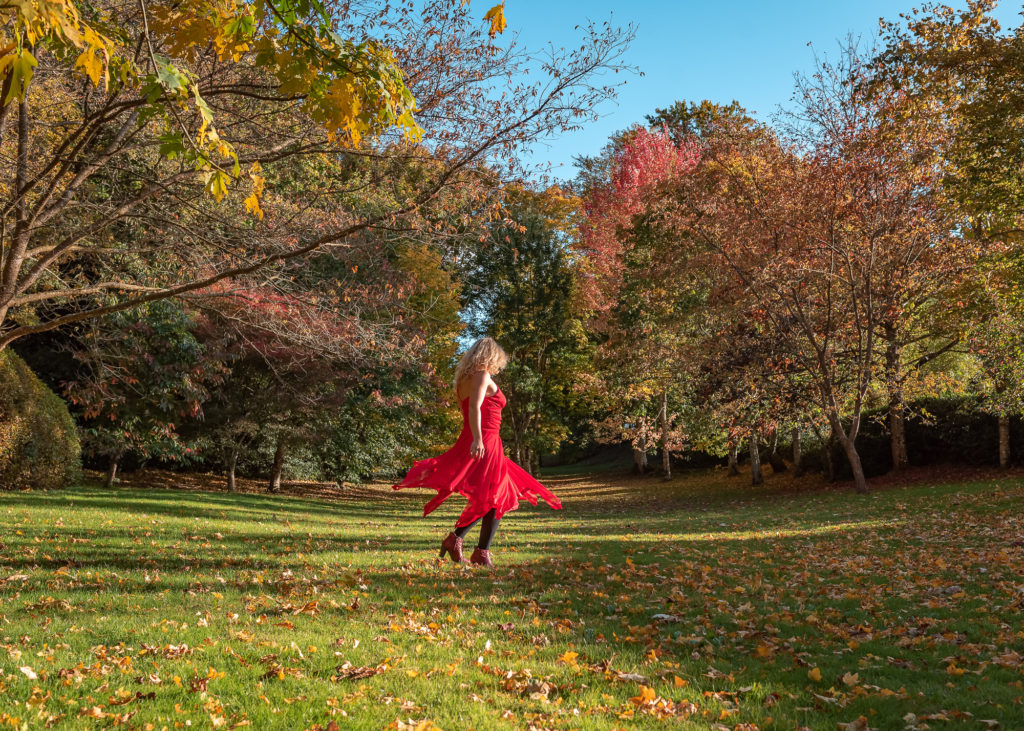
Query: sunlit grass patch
{"type": "Point", "coordinates": [698, 603]}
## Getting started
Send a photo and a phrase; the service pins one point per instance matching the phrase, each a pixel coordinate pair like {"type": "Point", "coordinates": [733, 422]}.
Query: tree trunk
{"type": "Point", "coordinates": [859, 483]}
{"type": "Point", "coordinates": [666, 457]}
{"type": "Point", "coordinates": [734, 461]}
{"type": "Point", "coordinates": [115, 461]}
{"type": "Point", "coordinates": [756, 477]}
{"type": "Point", "coordinates": [1004, 441]}
{"type": "Point", "coordinates": [278, 466]}
{"type": "Point", "coordinates": [798, 454]}
{"type": "Point", "coordinates": [774, 458]}
{"type": "Point", "coordinates": [830, 463]}
{"type": "Point", "coordinates": [14, 253]}
{"type": "Point", "coordinates": [897, 426]}
{"type": "Point", "coordinates": [639, 461]}
{"type": "Point", "coordinates": [232, 463]}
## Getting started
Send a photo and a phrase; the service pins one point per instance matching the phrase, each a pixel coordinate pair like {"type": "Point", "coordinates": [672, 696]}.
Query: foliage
{"type": "Point", "coordinates": [962, 75]}
{"type": "Point", "coordinates": [39, 445]}
{"type": "Point", "coordinates": [142, 374]}
{"type": "Point", "coordinates": [521, 289]}
{"type": "Point", "coordinates": [118, 182]}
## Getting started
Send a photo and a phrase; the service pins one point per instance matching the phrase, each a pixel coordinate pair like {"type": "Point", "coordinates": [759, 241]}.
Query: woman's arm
{"type": "Point", "coordinates": [478, 391]}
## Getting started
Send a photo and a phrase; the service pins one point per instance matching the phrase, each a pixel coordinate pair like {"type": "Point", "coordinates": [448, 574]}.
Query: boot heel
{"type": "Point", "coordinates": [452, 545]}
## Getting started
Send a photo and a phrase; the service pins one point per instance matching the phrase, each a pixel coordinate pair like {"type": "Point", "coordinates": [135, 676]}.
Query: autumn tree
{"type": "Point", "coordinates": [996, 338]}
{"type": "Point", "coordinates": [961, 77]}
{"type": "Point", "coordinates": [640, 289]}
{"type": "Point", "coordinates": [146, 155]}
{"type": "Point", "coordinates": [520, 288]}
{"type": "Point", "coordinates": [142, 376]}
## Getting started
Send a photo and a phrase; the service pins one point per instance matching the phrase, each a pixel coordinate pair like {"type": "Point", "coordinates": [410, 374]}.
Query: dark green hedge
{"type": "Point", "coordinates": [39, 445]}
{"type": "Point", "coordinates": [939, 431]}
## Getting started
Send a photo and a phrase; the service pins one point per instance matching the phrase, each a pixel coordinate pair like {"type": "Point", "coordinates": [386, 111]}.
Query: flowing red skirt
{"type": "Point", "coordinates": [492, 481]}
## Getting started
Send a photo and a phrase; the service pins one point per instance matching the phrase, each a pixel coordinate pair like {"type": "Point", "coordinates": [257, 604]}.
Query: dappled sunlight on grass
{"type": "Point", "coordinates": [739, 535]}
{"type": "Point", "coordinates": [699, 602]}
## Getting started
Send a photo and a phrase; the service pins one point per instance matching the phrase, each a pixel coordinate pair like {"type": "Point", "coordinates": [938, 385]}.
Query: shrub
{"type": "Point", "coordinates": [39, 445]}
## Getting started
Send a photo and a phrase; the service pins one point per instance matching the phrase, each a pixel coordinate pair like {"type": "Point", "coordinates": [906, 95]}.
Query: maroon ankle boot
{"type": "Point", "coordinates": [452, 545]}
{"type": "Point", "coordinates": [481, 557]}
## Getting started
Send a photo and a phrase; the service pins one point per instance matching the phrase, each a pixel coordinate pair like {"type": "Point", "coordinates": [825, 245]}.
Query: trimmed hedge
{"type": "Point", "coordinates": [39, 445]}
{"type": "Point", "coordinates": [952, 431]}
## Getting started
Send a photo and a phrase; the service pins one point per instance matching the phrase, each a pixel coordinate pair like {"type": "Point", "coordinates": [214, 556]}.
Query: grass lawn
{"type": "Point", "coordinates": [699, 603]}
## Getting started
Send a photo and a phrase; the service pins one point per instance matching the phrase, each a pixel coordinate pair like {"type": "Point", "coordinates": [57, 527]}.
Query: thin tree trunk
{"type": "Point", "coordinates": [774, 458]}
{"type": "Point", "coordinates": [115, 461]}
{"type": "Point", "coordinates": [639, 461]}
{"type": "Point", "coordinates": [830, 462]}
{"type": "Point", "coordinates": [1004, 441]}
{"type": "Point", "coordinates": [756, 476]}
{"type": "Point", "coordinates": [666, 457]}
{"type": "Point", "coordinates": [734, 461]}
{"type": "Point", "coordinates": [798, 453]}
{"type": "Point", "coordinates": [232, 463]}
{"type": "Point", "coordinates": [278, 466]}
{"type": "Point", "coordinates": [517, 442]}
{"type": "Point", "coordinates": [859, 483]}
{"type": "Point", "coordinates": [826, 444]}
{"type": "Point", "coordinates": [13, 255]}
{"type": "Point", "coordinates": [897, 426]}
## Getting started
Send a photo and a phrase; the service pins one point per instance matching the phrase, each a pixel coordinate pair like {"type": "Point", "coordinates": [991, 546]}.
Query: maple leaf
{"type": "Point", "coordinates": [647, 695]}
{"type": "Point", "coordinates": [497, 17]}
{"type": "Point", "coordinates": [569, 658]}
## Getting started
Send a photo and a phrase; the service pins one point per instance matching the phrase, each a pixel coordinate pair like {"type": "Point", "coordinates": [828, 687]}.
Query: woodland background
{"type": "Point", "coordinates": [249, 239]}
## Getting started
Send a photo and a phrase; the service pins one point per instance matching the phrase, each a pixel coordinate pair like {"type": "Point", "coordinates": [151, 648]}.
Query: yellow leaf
{"type": "Point", "coordinates": [679, 682]}
{"type": "Point", "coordinates": [569, 658]}
{"type": "Point", "coordinates": [814, 674]}
{"type": "Point", "coordinates": [252, 205]}
{"type": "Point", "coordinates": [20, 65]}
{"type": "Point", "coordinates": [497, 17]}
{"type": "Point", "coordinates": [647, 695]}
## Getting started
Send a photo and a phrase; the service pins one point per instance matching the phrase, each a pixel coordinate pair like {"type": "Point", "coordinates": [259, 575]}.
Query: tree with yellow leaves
{"type": "Point", "coordinates": [148, 150]}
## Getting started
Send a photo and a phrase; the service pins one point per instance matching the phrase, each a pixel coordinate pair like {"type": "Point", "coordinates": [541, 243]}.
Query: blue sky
{"type": "Point", "coordinates": [721, 50]}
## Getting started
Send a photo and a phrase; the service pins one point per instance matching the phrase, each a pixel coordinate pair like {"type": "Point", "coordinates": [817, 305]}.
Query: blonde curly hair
{"type": "Point", "coordinates": [484, 355]}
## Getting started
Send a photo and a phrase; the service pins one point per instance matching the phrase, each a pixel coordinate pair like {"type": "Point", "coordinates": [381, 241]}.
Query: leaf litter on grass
{"type": "Point", "coordinates": [705, 605]}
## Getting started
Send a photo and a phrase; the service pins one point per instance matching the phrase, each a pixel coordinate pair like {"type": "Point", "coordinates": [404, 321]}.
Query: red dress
{"type": "Point", "coordinates": [493, 481]}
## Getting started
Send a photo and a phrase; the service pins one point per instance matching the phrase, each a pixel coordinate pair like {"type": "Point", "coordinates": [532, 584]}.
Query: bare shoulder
{"type": "Point", "coordinates": [479, 382]}
{"type": "Point", "coordinates": [482, 383]}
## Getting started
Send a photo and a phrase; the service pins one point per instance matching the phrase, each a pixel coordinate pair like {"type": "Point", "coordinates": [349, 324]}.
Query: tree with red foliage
{"type": "Point", "coordinates": [834, 234]}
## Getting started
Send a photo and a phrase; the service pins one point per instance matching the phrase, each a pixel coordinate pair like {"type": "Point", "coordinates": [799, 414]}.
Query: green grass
{"type": "Point", "coordinates": [166, 608]}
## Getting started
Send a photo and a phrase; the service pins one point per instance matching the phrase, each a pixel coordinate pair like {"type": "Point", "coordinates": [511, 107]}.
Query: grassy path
{"type": "Point", "coordinates": [697, 604]}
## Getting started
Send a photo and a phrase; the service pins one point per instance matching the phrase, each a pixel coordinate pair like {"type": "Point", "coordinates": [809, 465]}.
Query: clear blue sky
{"type": "Point", "coordinates": [721, 50]}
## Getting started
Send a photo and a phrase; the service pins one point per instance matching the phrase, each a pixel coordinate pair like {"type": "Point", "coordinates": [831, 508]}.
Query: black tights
{"type": "Point", "coordinates": [487, 529]}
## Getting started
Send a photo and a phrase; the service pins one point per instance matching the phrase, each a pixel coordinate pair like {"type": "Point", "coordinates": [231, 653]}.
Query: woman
{"type": "Point", "coordinates": [477, 466]}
